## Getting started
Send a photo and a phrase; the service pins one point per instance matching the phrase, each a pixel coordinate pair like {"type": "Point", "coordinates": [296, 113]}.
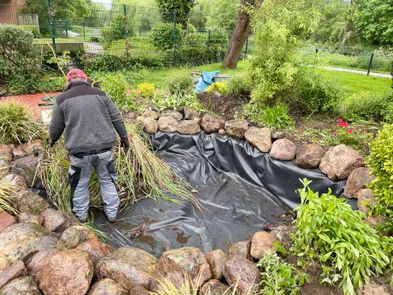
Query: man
{"type": "Point", "coordinates": [88, 118]}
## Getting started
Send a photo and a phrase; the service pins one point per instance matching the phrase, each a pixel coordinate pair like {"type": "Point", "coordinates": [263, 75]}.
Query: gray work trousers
{"type": "Point", "coordinates": [79, 177]}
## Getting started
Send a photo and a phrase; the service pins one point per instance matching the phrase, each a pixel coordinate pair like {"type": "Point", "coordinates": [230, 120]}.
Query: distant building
{"type": "Point", "coordinates": [9, 10]}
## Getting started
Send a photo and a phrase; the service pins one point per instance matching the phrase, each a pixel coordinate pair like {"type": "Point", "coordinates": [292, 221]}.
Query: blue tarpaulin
{"type": "Point", "coordinates": [206, 80]}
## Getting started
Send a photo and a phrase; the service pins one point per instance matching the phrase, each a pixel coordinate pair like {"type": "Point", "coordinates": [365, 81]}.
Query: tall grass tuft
{"type": "Point", "coordinates": [17, 124]}
{"type": "Point", "coordinates": [140, 174]}
{"type": "Point", "coordinates": [6, 190]}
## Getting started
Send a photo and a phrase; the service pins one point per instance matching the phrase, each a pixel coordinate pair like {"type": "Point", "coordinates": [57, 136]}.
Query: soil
{"type": "Point", "coordinates": [226, 106]}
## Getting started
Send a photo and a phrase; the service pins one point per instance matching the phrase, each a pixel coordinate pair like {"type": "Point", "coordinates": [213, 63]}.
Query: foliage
{"type": "Point", "coordinates": [180, 84]}
{"type": "Point", "coordinates": [380, 163]}
{"type": "Point", "coordinates": [182, 8]}
{"type": "Point", "coordinates": [146, 90]}
{"type": "Point", "coordinates": [6, 190]}
{"type": "Point", "coordinates": [373, 19]}
{"type": "Point", "coordinates": [369, 106]}
{"type": "Point", "coordinates": [165, 35]}
{"type": "Point", "coordinates": [223, 15]}
{"type": "Point", "coordinates": [194, 56]}
{"type": "Point", "coordinates": [141, 174]}
{"type": "Point", "coordinates": [177, 101]}
{"type": "Point", "coordinates": [198, 17]}
{"type": "Point", "coordinates": [240, 86]}
{"type": "Point", "coordinates": [117, 28]}
{"type": "Point", "coordinates": [220, 87]}
{"type": "Point", "coordinates": [275, 117]}
{"type": "Point", "coordinates": [279, 277]}
{"type": "Point", "coordinates": [17, 124]}
{"type": "Point", "coordinates": [115, 85]}
{"type": "Point", "coordinates": [331, 232]}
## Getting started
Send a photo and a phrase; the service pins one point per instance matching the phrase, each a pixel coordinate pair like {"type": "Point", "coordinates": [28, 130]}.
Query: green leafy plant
{"type": "Point", "coordinates": [117, 29]}
{"type": "Point", "coordinates": [240, 86]}
{"type": "Point", "coordinates": [276, 117]}
{"type": "Point", "coordinates": [330, 232]}
{"type": "Point", "coordinates": [279, 277]}
{"type": "Point", "coordinates": [220, 87]}
{"type": "Point", "coordinates": [146, 90]}
{"type": "Point", "coordinates": [380, 163]}
{"type": "Point", "coordinates": [180, 84]}
{"type": "Point", "coordinates": [177, 102]}
{"type": "Point", "coordinates": [17, 124]}
{"type": "Point", "coordinates": [165, 35]}
{"type": "Point", "coordinates": [115, 85]}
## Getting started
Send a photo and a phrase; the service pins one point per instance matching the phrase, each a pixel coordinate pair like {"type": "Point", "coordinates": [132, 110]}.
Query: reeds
{"type": "Point", "coordinates": [6, 190]}
{"type": "Point", "coordinates": [140, 175]}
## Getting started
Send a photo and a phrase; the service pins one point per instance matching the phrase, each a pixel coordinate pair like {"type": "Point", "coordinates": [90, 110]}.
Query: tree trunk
{"type": "Point", "coordinates": [239, 36]}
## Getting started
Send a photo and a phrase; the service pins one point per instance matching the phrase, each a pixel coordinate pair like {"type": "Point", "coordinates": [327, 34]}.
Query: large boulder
{"type": "Point", "coordinates": [214, 287]}
{"type": "Point", "coordinates": [210, 124]}
{"type": "Point", "coordinates": [37, 262]}
{"type": "Point", "coordinates": [73, 236]}
{"type": "Point", "coordinates": [129, 267]}
{"type": "Point", "coordinates": [357, 180]}
{"type": "Point", "coordinates": [30, 202]}
{"type": "Point", "coordinates": [150, 125]}
{"type": "Point", "coordinates": [262, 244]}
{"type": "Point", "coordinates": [96, 249]}
{"type": "Point", "coordinates": [67, 272]}
{"type": "Point", "coordinates": [241, 248]}
{"type": "Point", "coordinates": [188, 260]}
{"type": "Point", "coordinates": [308, 156]}
{"type": "Point", "coordinates": [21, 286]}
{"type": "Point", "coordinates": [55, 221]}
{"type": "Point", "coordinates": [243, 272]}
{"type": "Point", "coordinates": [172, 113]}
{"type": "Point", "coordinates": [236, 128]}
{"type": "Point", "coordinates": [366, 200]}
{"type": "Point", "coordinates": [107, 287]}
{"type": "Point", "coordinates": [6, 220]}
{"type": "Point", "coordinates": [188, 127]}
{"type": "Point", "coordinates": [167, 124]}
{"type": "Point", "coordinates": [16, 270]}
{"type": "Point", "coordinates": [27, 167]}
{"type": "Point", "coordinates": [216, 260]}
{"type": "Point", "coordinates": [190, 114]}
{"type": "Point", "coordinates": [283, 149]}
{"type": "Point", "coordinates": [20, 240]}
{"type": "Point", "coordinates": [339, 161]}
{"type": "Point", "coordinates": [260, 137]}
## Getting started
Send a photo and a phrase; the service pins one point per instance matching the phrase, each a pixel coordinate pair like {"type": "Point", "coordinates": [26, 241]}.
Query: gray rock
{"type": "Point", "coordinates": [262, 244]}
{"type": "Point", "coordinates": [308, 156]}
{"type": "Point", "coordinates": [190, 114]}
{"type": "Point", "coordinates": [172, 113]}
{"type": "Point", "coordinates": [29, 217]}
{"type": "Point", "coordinates": [366, 200]}
{"type": "Point", "coordinates": [55, 221]}
{"type": "Point", "coordinates": [167, 124]}
{"type": "Point", "coordinates": [21, 286]}
{"type": "Point", "coordinates": [216, 260]}
{"type": "Point", "coordinates": [188, 127]}
{"type": "Point", "coordinates": [150, 125]}
{"type": "Point", "coordinates": [14, 271]}
{"type": "Point", "coordinates": [236, 128]}
{"type": "Point", "coordinates": [210, 124]}
{"type": "Point", "coordinates": [241, 248]}
{"type": "Point", "coordinates": [107, 287]}
{"type": "Point", "coordinates": [283, 149]}
{"type": "Point", "coordinates": [151, 114]}
{"type": "Point", "coordinates": [73, 236]}
{"type": "Point", "coordinates": [357, 180]}
{"type": "Point", "coordinates": [214, 287]}
{"type": "Point", "coordinates": [27, 167]}
{"type": "Point", "coordinates": [278, 135]}
{"type": "Point", "coordinates": [30, 202]}
{"type": "Point", "coordinates": [261, 138]}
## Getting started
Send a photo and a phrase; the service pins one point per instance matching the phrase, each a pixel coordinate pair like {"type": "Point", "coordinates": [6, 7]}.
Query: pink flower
{"type": "Point", "coordinates": [350, 131]}
{"type": "Point", "coordinates": [339, 120]}
{"type": "Point", "coordinates": [343, 124]}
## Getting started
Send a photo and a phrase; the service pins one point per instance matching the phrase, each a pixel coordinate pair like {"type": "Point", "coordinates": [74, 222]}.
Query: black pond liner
{"type": "Point", "coordinates": [240, 188]}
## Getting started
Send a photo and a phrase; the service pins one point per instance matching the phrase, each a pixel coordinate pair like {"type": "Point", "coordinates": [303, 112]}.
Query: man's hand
{"type": "Point", "coordinates": [125, 145]}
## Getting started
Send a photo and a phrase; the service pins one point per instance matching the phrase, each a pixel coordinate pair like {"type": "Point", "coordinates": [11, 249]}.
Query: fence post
{"type": "Point", "coordinates": [84, 31]}
{"type": "Point", "coordinates": [127, 45]}
{"type": "Point", "coordinates": [174, 36]}
{"type": "Point", "coordinates": [370, 63]}
{"type": "Point", "coordinates": [52, 25]}
{"type": "Point", "coordinates": [209, 35]}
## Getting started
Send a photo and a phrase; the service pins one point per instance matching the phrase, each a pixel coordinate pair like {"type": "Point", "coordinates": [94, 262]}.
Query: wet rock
{"type": "Point", "coordinates": [216, 260]}
{"type": "Point", "coordinates": [14, 271]}
{"type": "Point", "coordinates": [210, 124]}
{"type": "Point", "coordinates": [28, 217]}
{"type": "Point", "coordinates": [262, 244]}
{"type": "Point", "coordinates": [31, 202]}
{"type": "Point", "coordinates": [107, 287]}
{"type": "Point", "coordinates": [6, 152]}
{"type": "Point", "coordinates": [241, 271]}
{"type": "Point", "coordinates": [357, 180]}
{"type": "Point", "coordinates": [96, 249]}
{"type": "Point", "coordinates": [67, 272]}
{"type": "Point", "coordinates": [283, 149]}
{"type": "Point", "coordinates": [18, 153]}
{"type": "Point", "coordinates": [151, 114]}
{"type": "Point", "coordinates": [309, 156]}
{"type": "Point", "coordinates": [130, 267]}
{"type": "Point", "coordinates": [15, 180]}
{"type": "Point", "coordinates": [21, 286]}
{"type": "Point", "coordinates": [236, 128]}
{"type": "Point", "coordinates": [374, 288]}
{"type": "Point", "coordinates": [167, 124]}
{"type": "Point", "coordinates": [278, 134]}
{"type": "Point", "coordinates": [240, 249]}
{"type": "Point", "coordinates": [20, 240]}
{"type": "Point", "coordinates": [55, 221]}
{"type": "Point", "coordinates": [188, 127]}
{"type": "Point", "coordinates": [221, 131]}
{"type": "Point", "coordinates": [27, 167]}
{"type": "Point", "coordinates": [188, 260]}
{"type": "Point", "coordinates": [366, 199]}
{"type": "Point", "coordinates": [190, 114]}
{"type": "Point", "coordinates": [339, 161]}
{"type": "Point", "coordinates": [6, 220]}
{"type": "Point", "coordinates": [260, 137]}
{"type": "Point", "coordinates": [73, 236]}
{"type": "Point", "coordinates": [4, 263]}
{"type": "Point", "coordinates": [214, 287]}
{"type": "Point", "coordinates": [172, 113]}
{"type": "Point", "coordinates": [150, 125]}
{"type": "Point", "coordinates": [139, 290]}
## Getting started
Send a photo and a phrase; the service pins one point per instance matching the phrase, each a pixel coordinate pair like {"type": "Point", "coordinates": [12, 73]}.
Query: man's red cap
{"type": "Point", "coordinates": [76, 74]}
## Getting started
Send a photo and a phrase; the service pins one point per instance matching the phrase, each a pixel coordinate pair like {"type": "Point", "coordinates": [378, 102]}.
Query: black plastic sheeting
{"type": "Point", "coordinates": [240, 188]}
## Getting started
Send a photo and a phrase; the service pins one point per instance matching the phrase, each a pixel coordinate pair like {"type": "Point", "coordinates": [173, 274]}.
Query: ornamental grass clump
{"type": "Point", "coordinates": [329, 232]}
{"type": "Point", "coordinates": [17, 124]}
{"type": "Point", "coordinates": [140, 175]}
{"type": "Point", "coordinates": [6, 190]}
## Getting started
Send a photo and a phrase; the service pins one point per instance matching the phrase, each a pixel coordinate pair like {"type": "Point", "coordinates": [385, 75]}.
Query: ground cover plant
{"type": "Point", "coordinates": [332, 234]}
{"type": "Point", "coordinates": [17, 124]}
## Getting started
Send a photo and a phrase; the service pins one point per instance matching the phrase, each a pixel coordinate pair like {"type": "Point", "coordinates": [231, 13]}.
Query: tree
{"type": "Point", "coordinates": [240, 34]}
{"type": "Point", "coordinates": [222, 15]}
{"type": "Point", "coordinates": [374, 20]}
{"type": "Point", "coordinates": [182, 7]}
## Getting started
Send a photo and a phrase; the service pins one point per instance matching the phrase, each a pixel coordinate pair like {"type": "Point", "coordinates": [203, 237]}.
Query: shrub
{"type": "Point", "coordinates": [380, 163]}
{"type": "Point", "coordinates": [220, 87]}
{"type": "Point", "coordinates": [331, 232]}
{"type": "Point", "coordinates": [195, 39]}
{"type": "Point", "coordinates": [146, 90]}
{"type": "Point", "coordinates": [195, 56]}
{"type": "Point", "coordinates": [180, 84]}
{"type": "Point", "coordinates": [117, 29]}
{"type": "Point", "coordinates": [275, 117]}
{"type": "Point", "coordinates": [33, 29]}
{"type": "Point", "coordinates": [6, 190]}
{"type": "Point", "coordinates": [17, 124]}
{"type": "Point", "coordinates": [240, 86]}
{"type": "Point", "coordinates": [279, 277]}
{"type": "Point", "coordinates": [115, 85]}
{"type": "Point", "coordinates": [164, 35]}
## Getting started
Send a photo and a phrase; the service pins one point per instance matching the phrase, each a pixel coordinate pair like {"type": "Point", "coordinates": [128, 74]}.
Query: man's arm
{"type": "Point", "coordinates": [57, 124]}
{"type": "Point", "coordinates": [117, 121]}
